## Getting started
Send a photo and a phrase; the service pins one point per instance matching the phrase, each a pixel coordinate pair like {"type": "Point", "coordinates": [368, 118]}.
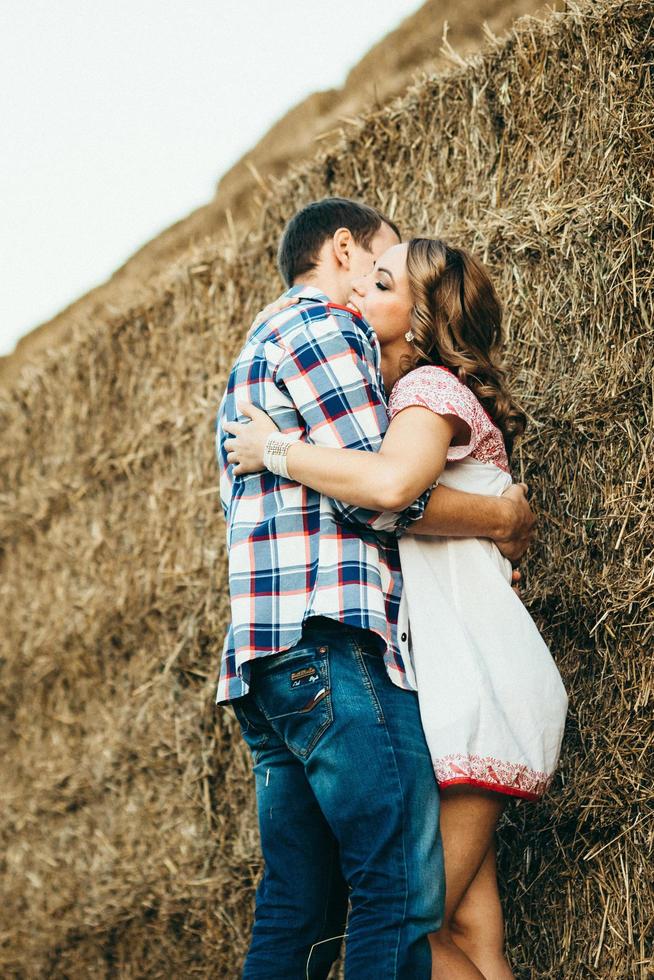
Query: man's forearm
{"type": "Point", "coordinates": [455, 514]}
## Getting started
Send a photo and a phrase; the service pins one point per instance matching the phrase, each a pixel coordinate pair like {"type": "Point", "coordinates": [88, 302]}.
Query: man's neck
{"type": "Point", "coordinates": [332, 289]}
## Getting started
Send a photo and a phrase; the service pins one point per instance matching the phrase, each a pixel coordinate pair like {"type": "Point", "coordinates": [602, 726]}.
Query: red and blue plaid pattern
{"type": "Point", "coordinates": [293, 553]}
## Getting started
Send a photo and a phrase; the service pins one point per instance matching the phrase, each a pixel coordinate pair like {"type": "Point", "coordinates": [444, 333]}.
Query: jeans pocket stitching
{"type": "Point", "coordinates": [304, 753]}
{"type": "Point", "coordinates": [329, 719]}
{"type": "Point", "coordinates": [275, 662]}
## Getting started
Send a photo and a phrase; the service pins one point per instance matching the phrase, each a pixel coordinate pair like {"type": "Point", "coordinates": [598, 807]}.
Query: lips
{"type": "Point", "coordinates": [353, 306]}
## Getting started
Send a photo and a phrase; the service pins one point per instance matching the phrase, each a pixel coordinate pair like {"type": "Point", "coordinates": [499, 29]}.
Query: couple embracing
{"type": "Point", "coordinates": [391, 686]}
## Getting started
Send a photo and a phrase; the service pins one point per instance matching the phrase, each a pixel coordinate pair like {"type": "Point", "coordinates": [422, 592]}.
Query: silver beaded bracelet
{"type": "Point", "coordinates": [276, 451]}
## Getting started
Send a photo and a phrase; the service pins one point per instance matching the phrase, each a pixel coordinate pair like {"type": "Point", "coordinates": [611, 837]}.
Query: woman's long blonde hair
{"type": "Point", "coordinates": [456, 322]}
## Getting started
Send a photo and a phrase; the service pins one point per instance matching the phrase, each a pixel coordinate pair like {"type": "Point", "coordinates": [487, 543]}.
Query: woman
{"type": "Point", "coordinates": [491, 699]}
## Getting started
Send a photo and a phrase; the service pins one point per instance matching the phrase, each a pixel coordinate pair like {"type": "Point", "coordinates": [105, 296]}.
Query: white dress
{"type": "Point", "coordinates": [492, 702]}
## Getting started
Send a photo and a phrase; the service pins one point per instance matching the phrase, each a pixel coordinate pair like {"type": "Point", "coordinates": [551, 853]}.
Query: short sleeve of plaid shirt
{"type": "Point", "coordinates": [331, 374]}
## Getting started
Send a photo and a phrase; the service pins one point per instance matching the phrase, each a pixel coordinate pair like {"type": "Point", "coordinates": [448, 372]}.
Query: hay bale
{"type": "Point", "coordinates": [128, 824]}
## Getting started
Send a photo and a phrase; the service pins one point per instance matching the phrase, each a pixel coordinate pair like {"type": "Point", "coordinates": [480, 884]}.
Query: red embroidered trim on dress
{"type": "Point", "coordinates": [438, 389]}
{"type": "Point", "coordinates": [491, 773]}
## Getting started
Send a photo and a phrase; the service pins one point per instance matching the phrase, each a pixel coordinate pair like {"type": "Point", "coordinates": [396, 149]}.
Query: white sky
{"type": "Point", "coordinates": [119, 116]}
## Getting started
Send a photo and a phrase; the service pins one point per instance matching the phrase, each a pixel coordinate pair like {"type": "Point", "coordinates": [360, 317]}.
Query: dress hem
{"type": "Point", "coordinates": [489, 772]}
{"type": "Point", "coordinates": [508, 790]}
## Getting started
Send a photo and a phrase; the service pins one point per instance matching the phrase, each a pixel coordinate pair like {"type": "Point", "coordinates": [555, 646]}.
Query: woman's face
{"type": "Point", "coordinates": [383, 296]}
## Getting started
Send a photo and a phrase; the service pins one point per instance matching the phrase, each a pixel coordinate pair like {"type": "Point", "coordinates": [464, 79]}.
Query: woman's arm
{"type": "Point", "coordinates": [391, 476]}
{"type": "Point", "coordinates": [411, 458]}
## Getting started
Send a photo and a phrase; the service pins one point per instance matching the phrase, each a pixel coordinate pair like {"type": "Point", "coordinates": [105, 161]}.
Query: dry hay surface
{"type": "Point", "coordinates": [128, 829]}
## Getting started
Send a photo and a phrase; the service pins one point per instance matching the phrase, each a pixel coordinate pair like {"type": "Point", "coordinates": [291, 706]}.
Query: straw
{"type": "Point", "coordinates": [128, 823]}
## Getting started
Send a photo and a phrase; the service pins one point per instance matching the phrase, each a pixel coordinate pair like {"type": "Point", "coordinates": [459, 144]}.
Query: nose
{"type": "Point", "coordinates": [359, 285]}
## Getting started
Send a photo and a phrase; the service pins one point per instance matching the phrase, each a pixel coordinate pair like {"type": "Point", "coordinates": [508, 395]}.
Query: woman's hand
{"type": "Point", "coordinates": [281, 303]}
{"type": "Point", "coordinates": [245, 448]}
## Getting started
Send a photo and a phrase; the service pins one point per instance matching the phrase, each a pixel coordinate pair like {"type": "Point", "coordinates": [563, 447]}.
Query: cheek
{"type": "Point", "coordinates": [375, 312]}
{"type": "Point", "coordinates": [387, 316]}
{"type": "Point", "coordinates": [398, 318]}
{"type": "Point", "coordinates": [387, 312]}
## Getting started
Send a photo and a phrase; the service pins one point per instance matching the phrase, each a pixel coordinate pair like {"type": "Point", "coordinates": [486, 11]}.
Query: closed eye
{"type": "Point", "coordinates": [380, 285]}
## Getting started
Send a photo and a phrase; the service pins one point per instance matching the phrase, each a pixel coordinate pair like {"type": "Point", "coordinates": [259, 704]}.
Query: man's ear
{"type": "Point", "coordinates": [342, 242]}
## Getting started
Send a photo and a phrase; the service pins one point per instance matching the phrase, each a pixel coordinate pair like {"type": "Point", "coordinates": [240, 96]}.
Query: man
{"type": "Point", "coordinates": [315, 663]}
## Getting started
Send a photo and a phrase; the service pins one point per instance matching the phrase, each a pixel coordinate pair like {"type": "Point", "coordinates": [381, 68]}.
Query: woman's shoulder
{"type": "Point", "coordinates": [429, 384]}
{"type": "Point", "coordinates": [426, 372]}
{"type": "Point", "coordinates": [439, 389]}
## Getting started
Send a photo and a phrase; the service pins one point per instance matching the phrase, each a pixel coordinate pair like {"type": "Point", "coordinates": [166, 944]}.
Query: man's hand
{"type": "Point", "coordinates": [281, 303]}
{"type": "Point", "coordinates": [518, 532]}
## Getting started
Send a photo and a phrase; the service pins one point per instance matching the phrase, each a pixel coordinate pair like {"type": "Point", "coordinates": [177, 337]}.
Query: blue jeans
{"type": "Point", "coordinates": [348, 809]}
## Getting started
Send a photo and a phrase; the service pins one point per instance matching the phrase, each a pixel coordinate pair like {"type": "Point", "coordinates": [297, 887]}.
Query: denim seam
{"type": "Point", "coordinates": [263, 736]}
{"type": "Point", "coordinates": [367, 681]}
{"type": "Point", "coordinates": [330, 884]}
{"type": "Point", "coordinates": [406, 879]}
{"type": "Point", "coordinates": [404, 864]}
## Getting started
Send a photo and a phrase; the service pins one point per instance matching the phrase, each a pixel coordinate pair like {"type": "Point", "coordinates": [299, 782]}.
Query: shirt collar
{"type": "Point", "coordinates": [314, 295]}
{"type": "Point", "coordinates": [307, 292]}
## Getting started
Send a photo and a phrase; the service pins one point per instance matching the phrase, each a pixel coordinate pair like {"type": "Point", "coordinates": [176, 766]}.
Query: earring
{"type": "Point", "coordinates": [409, 336]}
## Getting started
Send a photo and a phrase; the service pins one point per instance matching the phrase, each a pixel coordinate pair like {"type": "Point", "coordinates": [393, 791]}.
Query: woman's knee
{"type": "Point", "coordinates": [442, 939]}
{"type": "Point", "coordinates": [477, 932]}
{"type": "Point", "coordinates": [463, 929]}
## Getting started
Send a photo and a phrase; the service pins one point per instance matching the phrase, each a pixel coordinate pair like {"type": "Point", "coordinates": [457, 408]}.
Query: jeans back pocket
{"type": "Point", "coordinates": [294, 693]}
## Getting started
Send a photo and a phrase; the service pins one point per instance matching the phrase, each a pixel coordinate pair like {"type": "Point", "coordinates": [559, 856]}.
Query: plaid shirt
{"type": "Point", "coordinates": [294, 553]}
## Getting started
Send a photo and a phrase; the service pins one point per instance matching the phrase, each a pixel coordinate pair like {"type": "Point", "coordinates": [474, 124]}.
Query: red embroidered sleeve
{"type": "Point", "coordinates": [437, 389]}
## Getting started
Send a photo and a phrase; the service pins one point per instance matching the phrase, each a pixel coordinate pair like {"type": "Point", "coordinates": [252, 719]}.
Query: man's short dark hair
{"type": "Point", "coordinates": [309, 229]}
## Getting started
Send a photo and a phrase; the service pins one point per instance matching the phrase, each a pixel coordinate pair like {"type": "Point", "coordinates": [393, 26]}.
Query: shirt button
{"type": "Point", "coordinates": [403, 638]}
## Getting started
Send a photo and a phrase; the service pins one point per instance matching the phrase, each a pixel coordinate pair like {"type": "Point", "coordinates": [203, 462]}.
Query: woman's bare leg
{"type": "Point", "coordinates": [468, 820]}
{"type": "Point", "coordinates": [478, 924]}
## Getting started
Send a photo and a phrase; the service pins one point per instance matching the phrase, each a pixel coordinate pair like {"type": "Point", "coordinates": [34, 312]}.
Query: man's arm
{"type": "Point", "coordinates": [507, 520]}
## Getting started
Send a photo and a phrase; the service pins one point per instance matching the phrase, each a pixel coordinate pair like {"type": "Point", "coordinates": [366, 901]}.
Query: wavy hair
{"type": "Point", "coordinates": [456, 320]}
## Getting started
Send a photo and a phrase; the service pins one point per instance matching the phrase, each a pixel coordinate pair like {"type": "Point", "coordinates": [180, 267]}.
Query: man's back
{"type": "Point", "coordinates": [292, 552]}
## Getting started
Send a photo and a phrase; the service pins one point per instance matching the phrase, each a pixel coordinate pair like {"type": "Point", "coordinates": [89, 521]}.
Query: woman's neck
{"type": "Point", "coordinates": [391, 362]}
